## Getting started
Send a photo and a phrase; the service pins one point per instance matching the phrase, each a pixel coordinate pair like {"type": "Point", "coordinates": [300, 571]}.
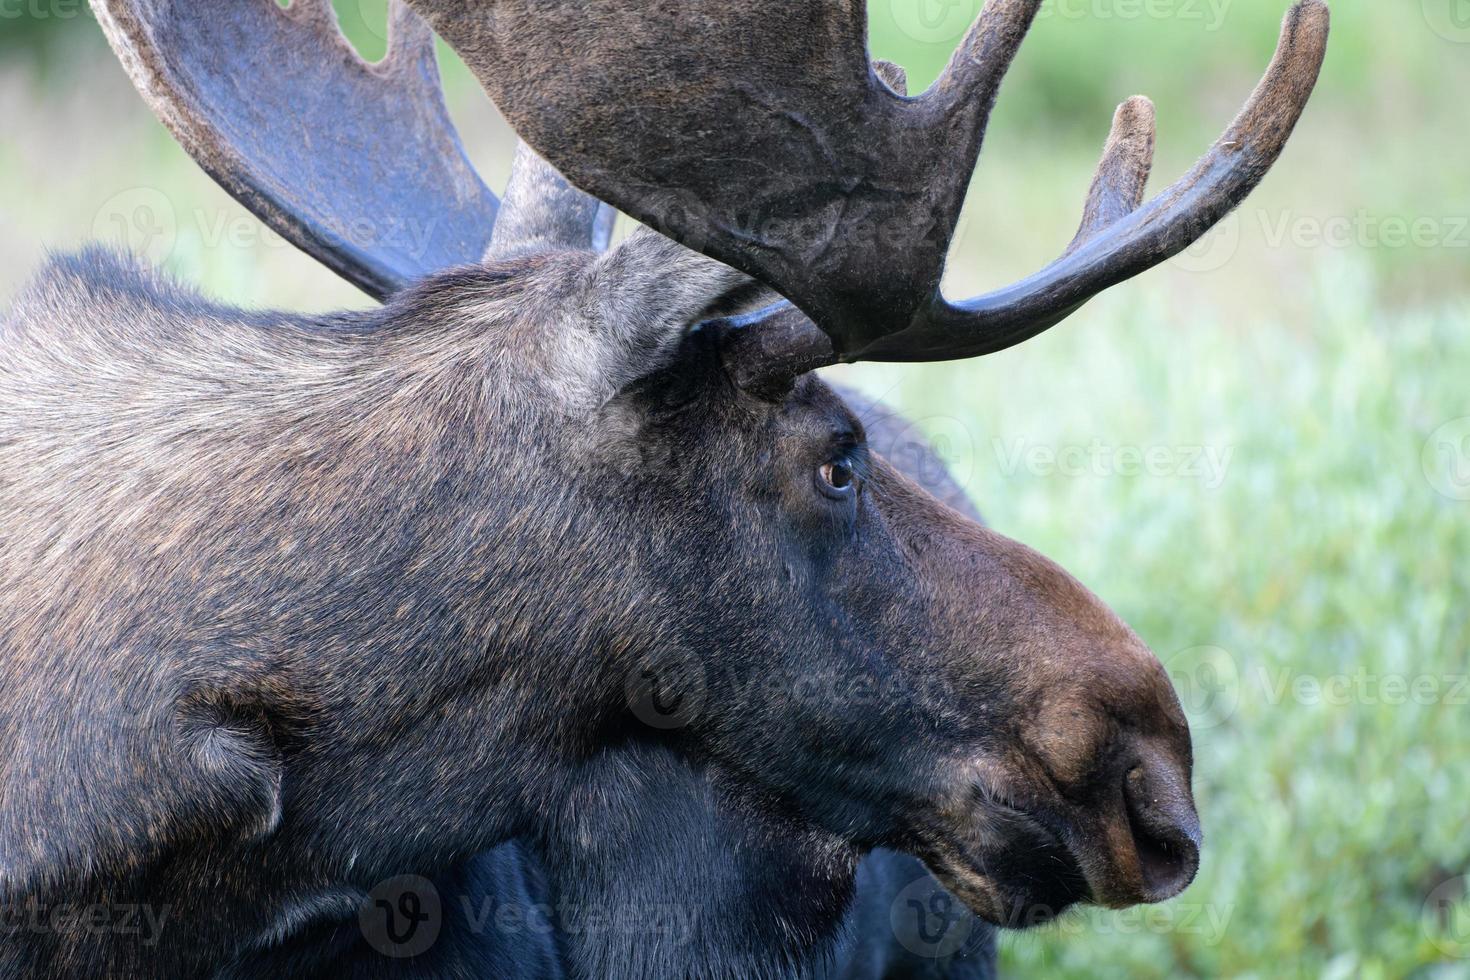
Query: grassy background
{"type": "Point", "coordinates": [1257, 453]}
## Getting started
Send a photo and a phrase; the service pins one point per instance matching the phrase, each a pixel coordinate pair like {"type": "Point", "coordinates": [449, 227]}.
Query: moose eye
{"type": "Point", "coordinates": [836, 479]}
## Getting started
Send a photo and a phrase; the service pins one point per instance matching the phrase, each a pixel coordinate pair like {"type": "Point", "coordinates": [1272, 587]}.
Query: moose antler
{"type": "Point", "coordinates": [541, 210]}
{"type": "Point", "coordinates": [339, 122]}
{"type": "Point", "coordinates": [356, 164]}
{"type": "Point", "coordinates": [780, 151]}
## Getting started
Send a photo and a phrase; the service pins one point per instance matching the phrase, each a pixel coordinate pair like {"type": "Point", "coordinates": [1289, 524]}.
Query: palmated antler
{"type": "Point", "coordinates": [356, 164]}
{"type": "Point", "coordinates": [758, 133]}
{"type": "Point", "coordinates": [776, 148]}
{"type": "Point", "coordinates": [275, 104]}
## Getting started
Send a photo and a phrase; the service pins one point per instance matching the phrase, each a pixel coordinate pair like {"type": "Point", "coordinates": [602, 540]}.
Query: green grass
{"type": "Point", "coordinates": [1325, 543]}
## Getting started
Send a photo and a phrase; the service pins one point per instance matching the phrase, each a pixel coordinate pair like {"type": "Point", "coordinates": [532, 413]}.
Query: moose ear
{"type": "Point", "coordinates": [650, 291]}
{"type": "Point", "coordinates": [99, 784]}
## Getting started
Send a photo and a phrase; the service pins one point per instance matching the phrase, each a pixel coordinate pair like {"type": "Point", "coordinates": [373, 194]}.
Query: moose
{"type": "Point", "coordinates": [489, 585]}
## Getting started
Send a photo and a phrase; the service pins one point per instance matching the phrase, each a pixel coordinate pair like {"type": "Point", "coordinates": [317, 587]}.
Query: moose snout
{"type": "Point", "coordinates": [1163, 830]}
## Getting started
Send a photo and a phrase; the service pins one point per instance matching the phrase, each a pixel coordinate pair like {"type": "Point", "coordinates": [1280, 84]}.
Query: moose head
{"type": "Point", "coordinates": [310, 602]}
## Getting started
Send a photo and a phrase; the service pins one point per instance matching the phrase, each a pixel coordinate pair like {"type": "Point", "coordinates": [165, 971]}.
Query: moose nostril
{"type": "Point", "coordinates": [1167, 863]}
{"type": "Point", "coordinates": [1165, 833]}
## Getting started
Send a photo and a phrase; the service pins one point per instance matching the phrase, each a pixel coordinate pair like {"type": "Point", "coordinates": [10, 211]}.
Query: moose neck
{"type": "Point", "coordinates": [485, 624]}
{"type": "Point", "coordinates": [655, 870]}
{"type": "Point", "coordinates": [648, 868]}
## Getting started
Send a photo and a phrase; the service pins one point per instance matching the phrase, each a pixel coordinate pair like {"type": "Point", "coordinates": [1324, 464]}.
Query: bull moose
{"type": "Point", "coordinates": [490, 584]}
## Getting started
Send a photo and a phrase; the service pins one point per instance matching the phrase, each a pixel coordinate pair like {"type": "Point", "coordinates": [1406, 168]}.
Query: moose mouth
{"type": "Point", "coordinates": [1019, 868]}
{"type": "Point", "coordinates": [1009, 868]}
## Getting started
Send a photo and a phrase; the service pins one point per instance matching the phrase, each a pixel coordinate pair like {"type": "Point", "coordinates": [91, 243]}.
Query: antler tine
{"type": "Point", "coordinates": [1107, 252]}
{"type": "Point", "coordinates": [410, 45]}
{"type": "Point", "coordinates": [1117, 188]}
{"type": "Point", "coordinates": [540, 211]}
{"type": "Point", "coordinates": [356, 164]}
{"type": "Point", "coordinates": [972, 78]}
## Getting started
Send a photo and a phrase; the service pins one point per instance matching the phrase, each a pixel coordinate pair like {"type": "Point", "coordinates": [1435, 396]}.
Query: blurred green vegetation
{"type": "Point", "coordinates": [1257, 453]}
